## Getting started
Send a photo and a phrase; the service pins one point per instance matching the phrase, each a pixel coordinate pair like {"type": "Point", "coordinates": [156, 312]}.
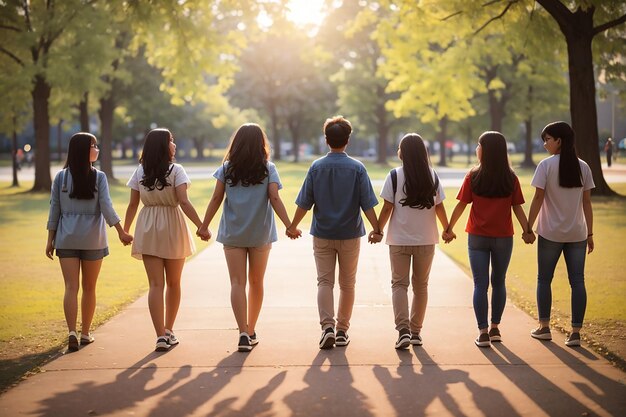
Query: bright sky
{"type": "Point", "coordinates": [304, 12]}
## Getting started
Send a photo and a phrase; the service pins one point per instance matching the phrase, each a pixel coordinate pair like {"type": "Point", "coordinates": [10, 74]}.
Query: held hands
{"type": "Point", "coordinates": [203, 233]}
{"type": "Point", "coordinates": [448, 236]}
{"type": "Point", "coordinates": [125, 238]}
{"type": "Point", "coordinates": [529, 237]}
{"type": "Point", "coordinates": [293, 233]}
{"type": "Point", "coordinates": [375, 237]}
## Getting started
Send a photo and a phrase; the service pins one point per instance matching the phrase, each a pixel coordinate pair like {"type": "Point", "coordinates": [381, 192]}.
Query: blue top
{"type": "Point", "coordinates": [79, 224]}
{"type": "Point", "coordinates": [338, 186]}
{"type": "Point", "coordinates": [247, 216]}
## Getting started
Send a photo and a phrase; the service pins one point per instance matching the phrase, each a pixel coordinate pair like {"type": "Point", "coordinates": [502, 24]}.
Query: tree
{"type": "Point", "coordinates": [580, 27]}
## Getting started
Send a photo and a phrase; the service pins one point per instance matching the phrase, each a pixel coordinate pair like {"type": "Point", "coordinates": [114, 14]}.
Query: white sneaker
{"type": "Point", "coordinates": [161, 344]}
{"type": "Point", "coordinates": [171, 337]}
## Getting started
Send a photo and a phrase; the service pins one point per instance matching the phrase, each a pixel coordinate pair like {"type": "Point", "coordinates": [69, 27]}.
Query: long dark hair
{"type": "Point", "coordinates": [493, 177]}
{"type": "Point", "coordinates": [79, 164]}
{"type": "Point", "coordinates": [247, 156]}
{"type": "Point", "coordinates": [570, 175]}
{"type": "Point", "coordinates": [419, 186]}
{"type": "Point", "coordinates": [156, 159]}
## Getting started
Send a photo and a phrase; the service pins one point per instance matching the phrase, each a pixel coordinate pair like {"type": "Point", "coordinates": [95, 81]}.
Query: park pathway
{"type": "Point", "coordinates": [287, 375]}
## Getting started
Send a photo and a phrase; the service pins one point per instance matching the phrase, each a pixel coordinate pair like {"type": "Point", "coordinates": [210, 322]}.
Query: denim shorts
{"type": "Point", "coordinates": [83, 254]}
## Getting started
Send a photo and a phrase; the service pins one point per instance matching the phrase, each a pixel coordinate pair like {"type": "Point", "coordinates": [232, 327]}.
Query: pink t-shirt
{"type": "Point", "coordinates": [490, 216]}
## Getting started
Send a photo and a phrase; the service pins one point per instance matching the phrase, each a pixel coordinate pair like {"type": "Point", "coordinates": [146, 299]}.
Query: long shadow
{"type": "Point", "coordinates": [551, 398]}
{"type": "Point", "coordinates": [128, 389]}
{"type": "Point", "coordinates": [188, 397]}
{"type": "Point", "coordinates": [604, 391]}
{"type": "Point", "coordinates": [14, 369]}
{"type": "Point", "coordinates": [330, 391]}
{"type": "Point", "coordinates": [256, 405]}
{"type": "Point", "coordinates": [411, 393]}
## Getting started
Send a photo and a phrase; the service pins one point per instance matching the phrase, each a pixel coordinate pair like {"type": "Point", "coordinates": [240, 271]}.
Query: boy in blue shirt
{"type": "Point", "coordinates": [337, 187]}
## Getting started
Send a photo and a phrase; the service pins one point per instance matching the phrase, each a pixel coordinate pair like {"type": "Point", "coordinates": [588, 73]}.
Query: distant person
{"type": "Point", "coordinates": [562, 200]}
{"type": "Point", "coordinates": [162, 238]}
{"type": "Point", "coordinates": [608, 149]}
{"type": "Point", "coordinates": [79, 207]}
{"type": "Point", "coordinates": [494, 191]}
{"type": "Point", "coordinates": [338, 188]}
{"type": "Point", "coordinates": [413, 198]}
{"type": "Point", "coordinates": [250, 183]}
{"type": "Point", "coordinates": [19, 158]}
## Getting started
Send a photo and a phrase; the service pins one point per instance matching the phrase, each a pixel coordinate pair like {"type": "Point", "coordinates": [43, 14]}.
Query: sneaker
{"type": "Point", "coordinates": [86, 338]}
{"type": "Point", "coordinates": [161, 344]}
{"type": "Point", "coordinates": [573, 339]}
{"type": "Point", "coordinates": [342, 338]}
{"type": "Point", "coordinates": [328, 338]}
{"type": "Point", "coordinates": [483, 340]}
{"type": "Point", "coordinates": [72, 342]}
{"type": "Point", "coordinates": [494, 335]}
{"type": "Point", "coordinates": [542, 333]}
{"type": "Point", "coordinates": [171, 337]}
{"type": "Point", "coordinates": [416, 339]}
{"type": "Point", "coordinates": [254, 340]}
{"type": "Point", "coordinates": [244, 343]}
{"type": "Point", "coordinates": [404, 339]}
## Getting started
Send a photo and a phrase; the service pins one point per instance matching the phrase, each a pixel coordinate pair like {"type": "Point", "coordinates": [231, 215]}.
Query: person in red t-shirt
{"type": "Point", "coordinates": [493, 189]}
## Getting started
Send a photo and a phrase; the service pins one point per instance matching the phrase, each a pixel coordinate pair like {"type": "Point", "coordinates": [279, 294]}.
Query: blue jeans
{"type": "Point", "coordinates": [548, 254]}
{"type": "Point", "coordinates": [483, 250]}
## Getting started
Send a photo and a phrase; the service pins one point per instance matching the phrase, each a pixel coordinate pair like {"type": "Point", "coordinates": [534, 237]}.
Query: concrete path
{"type": "Point", "coordinates": [287, 375]}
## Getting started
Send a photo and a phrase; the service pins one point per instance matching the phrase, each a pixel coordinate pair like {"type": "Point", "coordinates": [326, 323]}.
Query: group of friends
{"type": "Point", "coordinates": [337, 188]}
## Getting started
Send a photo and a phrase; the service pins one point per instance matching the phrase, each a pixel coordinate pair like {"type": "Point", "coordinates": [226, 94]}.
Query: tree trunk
{"type": "Point", "coordinates": [14, 153]}
{"type": "Point", "coordinates": [441, 138]}
{"type": "Point", "coordinates": [107, 107]}
{"type": "Point", "coordinates": [295, 139]}
{"type": "Point", "coordinates": [528, 144]}
{"type": "Point", "coordinates": [197, 143]}
{"type": "Point", "coordinates": [382, 126]}
{"type": "Point", "coordinates": [59, 141]}
{"type": "Point", "coordinates": [496, 111]}
{"type": "Point", "coordinates": [40, 95]}
{"type": "Point", "coordinates": [583, 98]}
{"type": "Point", "coordinates": [276, 138]}
{"type": "Point", "coordinates": [469, 144]}
{"type": "Point", "coordinates": [83, 107]}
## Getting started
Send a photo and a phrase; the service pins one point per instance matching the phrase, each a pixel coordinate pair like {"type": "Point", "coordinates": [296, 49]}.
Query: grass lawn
{"type": "Point", "coordinates": [32, 325]}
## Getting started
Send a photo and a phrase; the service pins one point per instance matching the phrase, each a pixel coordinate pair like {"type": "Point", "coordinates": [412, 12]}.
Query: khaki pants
{"type": "Point", "coordinates": [422, 259]}
{"type": "Point", "coordinates": [327, 254]}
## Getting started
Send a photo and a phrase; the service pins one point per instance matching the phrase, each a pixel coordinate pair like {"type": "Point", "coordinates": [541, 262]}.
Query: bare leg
{"type": "Point", "coordinates": [155, 270]}
{"type": "Point", "coordinates": [173, 274]}
{"type": "Point", "coordinates": [236, 261]}
{"type": "Point", "coordinates": [70, 267]}
{"type": "Point", "coordinates": [258, 264]}
{"type": "Point", "coordinates": [91, 269]}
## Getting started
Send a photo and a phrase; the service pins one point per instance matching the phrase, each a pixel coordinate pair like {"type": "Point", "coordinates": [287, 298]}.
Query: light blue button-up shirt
{"type": "Point", "coordinates": [338, 188]}
{"type": "Point", "coordinates": [79, 224]}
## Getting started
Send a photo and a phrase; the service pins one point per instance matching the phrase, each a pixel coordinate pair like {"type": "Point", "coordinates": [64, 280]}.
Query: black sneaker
{"type": "Point", "coordinates": [328, 338]}
{"type": "Point", "coordinates": [573, 339]}
{"type": "Point", "coordinates": [253, 339]}
{"type": "Point", "coordinates": [162, 344]}
{"type": "Point", "coordinates": [244, 343]}
{"type": "Point", "coordinates": [416, 339]}
{"type": "Point", "coordinates": [404, 339]}
{"type": "Point", "coordinates": [494, 335]}
{"type": "Point", "coordinates": [342, 338]}
{"type": "Point", "coordinates": [483, 340]}
{"type": "Point", "coordinates": [72, 342]}
{"type": "Point", "coordinates": [542, 333]}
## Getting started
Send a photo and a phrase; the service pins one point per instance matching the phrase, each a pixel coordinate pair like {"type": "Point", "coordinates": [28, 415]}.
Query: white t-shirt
{"type": "Point", "coordinates": [561, 217]}
{"type": "Point", "coordinates": [410, 226]}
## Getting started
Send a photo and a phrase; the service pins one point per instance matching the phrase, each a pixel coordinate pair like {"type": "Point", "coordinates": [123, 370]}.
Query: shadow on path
{"type": "Point", "coordinates": [128, 389]}
{"type": "Point", "coordinates": [411, 392]}
{"type": "Point", "coordinates": [330, 391]}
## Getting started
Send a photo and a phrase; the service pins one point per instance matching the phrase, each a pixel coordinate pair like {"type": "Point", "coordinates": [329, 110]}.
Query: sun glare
{"type": "Point", "coordinates": [306, 12]}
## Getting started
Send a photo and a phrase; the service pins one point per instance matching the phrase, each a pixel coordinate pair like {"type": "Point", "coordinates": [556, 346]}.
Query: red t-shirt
{"type": "Point", "coordinates": [490, 216]}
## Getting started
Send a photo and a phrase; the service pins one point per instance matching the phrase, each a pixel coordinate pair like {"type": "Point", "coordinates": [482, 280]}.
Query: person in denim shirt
{"type": "Point", "coordinates": [79, 206]}
{"type": "Point", "coordinates": [337, 187]}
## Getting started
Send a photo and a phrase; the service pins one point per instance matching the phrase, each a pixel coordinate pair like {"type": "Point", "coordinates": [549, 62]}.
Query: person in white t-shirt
{"type": "Point", "coordinates": [411, 207]}
{"type": "Point", "coordinates": [562, 207]}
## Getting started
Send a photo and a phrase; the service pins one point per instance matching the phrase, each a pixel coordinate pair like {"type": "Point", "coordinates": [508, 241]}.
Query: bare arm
{"type": "Point", "coordinates": [588, 212]}
{"type": "Point", "coordinates": [50, 243]}
{"type": "Point", "coordinates": [131, 210]}
{"type": "Point", "coordinates": [277, 204]}
{"type": "Point", "coordinates": [186, 206]}
{"type": "Point", "coordinates": [214, 204]}
{"type": "Point", "coordinates": [440, 210]}
{"type": "Point", "coordinates": [528, 236]}
{"type": "Point", "coordinates": [535, 206]}
{"type": "Point", "coordinates": [297, 217]}
{"type": "Point", "coordinates": [385, 214]}
{"type": "Point", "coordinates": [456, 214]}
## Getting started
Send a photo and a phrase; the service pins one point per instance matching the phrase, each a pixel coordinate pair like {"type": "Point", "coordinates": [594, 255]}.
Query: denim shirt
{"type": "Point", "coordinates": [79, 224]}
{"type": "Point", "coordinates": [339, 187]}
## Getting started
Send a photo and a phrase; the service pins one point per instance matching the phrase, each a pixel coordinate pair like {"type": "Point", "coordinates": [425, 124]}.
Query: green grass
{"type": "Point", "coordinates": [32, 325]}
